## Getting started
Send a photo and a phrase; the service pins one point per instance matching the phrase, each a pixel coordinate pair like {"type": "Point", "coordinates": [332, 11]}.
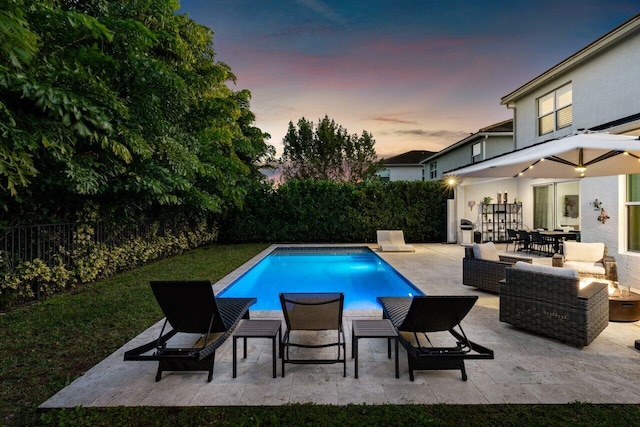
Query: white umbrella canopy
{"type": "Point", "coordinates": [577, 156]}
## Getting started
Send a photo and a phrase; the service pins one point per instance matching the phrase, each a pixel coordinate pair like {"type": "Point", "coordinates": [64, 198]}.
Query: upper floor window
{"type": "Point", "coordinates": [433, 170]}
{"type": "Point", "coordinates": [476, 152]}
{"type": "Point", "coordinates": [633, 212]}
{"type": "Point", "coordinates": [555, 110]}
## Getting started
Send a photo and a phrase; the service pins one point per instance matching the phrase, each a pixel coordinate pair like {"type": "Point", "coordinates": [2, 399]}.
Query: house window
{"type": "Point", "coordinates": [433, 170]}
{"type": "Point", "coordinates": [476, 152]}
{"type": "Point", "coordinates": [633, 212]}
{"type": "Point", "coordinates": [555, 110]}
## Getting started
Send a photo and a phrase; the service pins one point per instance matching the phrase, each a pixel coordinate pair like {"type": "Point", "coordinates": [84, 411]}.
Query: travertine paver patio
{"type": "Point", "coordinates": [527, 368]}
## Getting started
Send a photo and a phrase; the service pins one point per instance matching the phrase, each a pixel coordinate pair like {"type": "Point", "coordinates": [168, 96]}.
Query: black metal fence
{"type": "Point", "coordinates": [51, 242]}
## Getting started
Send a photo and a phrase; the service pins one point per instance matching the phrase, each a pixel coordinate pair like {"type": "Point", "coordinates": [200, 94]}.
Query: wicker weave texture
{"type": "Point", "coordinates": [551, 305]}
{"type": "Point", "coordinates": [485, 274]}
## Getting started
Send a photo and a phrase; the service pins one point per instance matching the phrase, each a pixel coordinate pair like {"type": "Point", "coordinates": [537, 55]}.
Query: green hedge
{"type": "Point", "coordinates": [339, 212]}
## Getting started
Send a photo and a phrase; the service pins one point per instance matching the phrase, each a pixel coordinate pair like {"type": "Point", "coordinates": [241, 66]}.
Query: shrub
{"type": "Point", "coordinates": [333, 211]}
{"type": "Point", "coordinates": [34, 280]}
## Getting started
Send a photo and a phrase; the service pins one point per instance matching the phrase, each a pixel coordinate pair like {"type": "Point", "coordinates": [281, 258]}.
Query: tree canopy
{"type": "Point", "coordinates": [121, 103]}
{"type": "Point", "coordinates": [327, 152]}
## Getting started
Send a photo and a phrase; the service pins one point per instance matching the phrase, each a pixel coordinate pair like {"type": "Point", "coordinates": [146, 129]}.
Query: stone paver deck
{"type": "Point", "coordinates": [527, 368]}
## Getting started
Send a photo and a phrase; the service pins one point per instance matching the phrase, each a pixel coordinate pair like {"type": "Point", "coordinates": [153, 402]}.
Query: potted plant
{"type": "Point", "coordinates": [486, 201]}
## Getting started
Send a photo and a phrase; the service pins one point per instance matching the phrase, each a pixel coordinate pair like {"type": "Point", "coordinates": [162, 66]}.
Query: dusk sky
{"type": "Point", "coordinates": [418, 75]}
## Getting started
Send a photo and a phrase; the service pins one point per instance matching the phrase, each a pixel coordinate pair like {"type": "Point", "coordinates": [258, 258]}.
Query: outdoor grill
{"type": "Point", "coordinates": [466, 231]}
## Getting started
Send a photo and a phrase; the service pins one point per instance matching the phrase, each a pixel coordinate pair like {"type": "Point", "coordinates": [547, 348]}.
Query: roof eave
{"type": "Point", "coordinates": [582, 55]}
{"type": "Point", "coordinates": [471, 138]}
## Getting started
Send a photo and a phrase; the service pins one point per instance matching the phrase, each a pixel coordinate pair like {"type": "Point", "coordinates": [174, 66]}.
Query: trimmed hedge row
{"type": "Point", "coordinates": [339, 212]}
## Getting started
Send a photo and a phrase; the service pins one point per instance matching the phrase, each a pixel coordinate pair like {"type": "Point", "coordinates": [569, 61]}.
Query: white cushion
{"type": "Point", "coordinates": [556, 271]}
{"type": "Point", "coordinates": [486, 251]}
{"type": "Point", "coordinates": [393, 241]}
{"type": "Point", "coordinates": [383, 237]}
{"type": "Point", "coordinates": [585, 252]}
{"type": "Point", "coordinates": [595, 268]}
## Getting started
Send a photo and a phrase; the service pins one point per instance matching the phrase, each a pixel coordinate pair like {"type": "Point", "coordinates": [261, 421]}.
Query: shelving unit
{"type": "Point", "coordinates": [497, 217]}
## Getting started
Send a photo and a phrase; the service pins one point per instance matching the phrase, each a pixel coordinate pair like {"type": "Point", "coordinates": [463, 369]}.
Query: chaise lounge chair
{"type": "Point", "coordinates": [318, 311]}
{"type": "Point", "coordinates": [393, 241]}
{"type": "Point", "coordinates": [414, 317]}
{"type": "Point", "coordinates": [191, 308]}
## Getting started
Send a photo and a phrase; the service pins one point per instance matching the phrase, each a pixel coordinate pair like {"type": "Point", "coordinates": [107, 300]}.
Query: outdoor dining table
{"type": "Point", "coordinates": [557, 237]}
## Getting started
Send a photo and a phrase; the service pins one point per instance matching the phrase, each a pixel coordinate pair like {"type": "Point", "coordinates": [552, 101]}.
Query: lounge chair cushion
{"type": "Point", "coordinates": [556, 271]}
{"type": "Point", "coordinates": [583, 252]}
{"type": "Point", "coordinates": [486, 251]}
{"type": "Point", "coordinates": [393, 241]}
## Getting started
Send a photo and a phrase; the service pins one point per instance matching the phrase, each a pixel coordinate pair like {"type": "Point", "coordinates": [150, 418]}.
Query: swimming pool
{"type": "Point", "coordinates": [356, 271]}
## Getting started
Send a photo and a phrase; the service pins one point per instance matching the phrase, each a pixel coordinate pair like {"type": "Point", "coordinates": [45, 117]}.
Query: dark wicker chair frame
{"type": "Point", "coordinates": [191, 308]}
{"type": "Point", "coordinates": [554, 306]}
{"type": "Point", "coordinates": [414, 317]}
{"type": "Point", "coordinates": [313, 311]}
{"type": "Point", "coordinates": [540, 244]}
{"type": "Point", "coordinates": [485, 274]}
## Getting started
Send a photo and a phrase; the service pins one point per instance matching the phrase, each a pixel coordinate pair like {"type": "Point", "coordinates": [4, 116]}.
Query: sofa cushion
{"type": "Point", "coordinates": [556, 271]}
{"type": "Point", "coordinates": [595, 268]}
{"type": "Point", "coordinates": [486, 251]}
{"type": "Point", "coordinates": [584, 252]}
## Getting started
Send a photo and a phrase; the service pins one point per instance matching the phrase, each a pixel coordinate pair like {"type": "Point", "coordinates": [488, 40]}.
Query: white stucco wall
{"type": "Point", "coordinates": [604, 89]}
{"type": "Point", "coordinates": [405, 173]}
{"type": "Point", "coordinates": [471, 191]}
{"type": "Point", "coordinates": [610, 191]}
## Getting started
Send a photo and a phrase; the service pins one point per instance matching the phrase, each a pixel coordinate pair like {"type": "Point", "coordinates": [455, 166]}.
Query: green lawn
{"type": "Point", "coordinates": [45, 346]}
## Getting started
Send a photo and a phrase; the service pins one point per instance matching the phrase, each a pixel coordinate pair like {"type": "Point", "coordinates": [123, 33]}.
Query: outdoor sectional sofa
{"type": "Point", "coordinates": [548, 301]}
{"type": "Point", "coordinates": [483, 268]}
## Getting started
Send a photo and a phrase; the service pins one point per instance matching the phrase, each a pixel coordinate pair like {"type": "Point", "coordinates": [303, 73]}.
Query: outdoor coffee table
{"type": "Point", "coordinates": [373, 329]}
{"type": "Point", "coordinates": [624, 308]}
{"type": "Point", "coordinates": [255, 328]}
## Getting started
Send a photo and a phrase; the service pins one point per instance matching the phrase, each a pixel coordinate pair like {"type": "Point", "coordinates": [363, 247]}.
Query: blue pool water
{"type": "Point", "coordinates": [357, 272]}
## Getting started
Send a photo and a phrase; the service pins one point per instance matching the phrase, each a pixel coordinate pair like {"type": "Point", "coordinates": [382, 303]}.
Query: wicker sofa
{"type": "Point", "coordinates": [549, 301]}
{"type": "Point", "coordinates": [485, 272]}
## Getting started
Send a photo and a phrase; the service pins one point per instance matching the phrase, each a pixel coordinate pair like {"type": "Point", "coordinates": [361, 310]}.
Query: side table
{"type": "Point", "coordinates": [624, 308]}
{"type": "Point", "coordinates": [373, 329]}
{"type": "Point", "coordinates": [256, 328]}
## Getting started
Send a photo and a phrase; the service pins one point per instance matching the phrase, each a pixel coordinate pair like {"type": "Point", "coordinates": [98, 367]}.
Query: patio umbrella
{"type": "Point", "coordinates": [576, 156]}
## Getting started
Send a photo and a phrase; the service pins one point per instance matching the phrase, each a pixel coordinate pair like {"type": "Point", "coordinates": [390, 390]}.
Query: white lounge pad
{"type": "Point", "coordinates": [393, 241]}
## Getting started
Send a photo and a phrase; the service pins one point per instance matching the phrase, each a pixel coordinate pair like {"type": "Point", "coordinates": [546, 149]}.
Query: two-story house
{"type": "Point", "coordinates": [404, 167]}
{"type": "Point", "coordinates": [595, 89]}
{"type": "Point", "coordinates": [488, 142]}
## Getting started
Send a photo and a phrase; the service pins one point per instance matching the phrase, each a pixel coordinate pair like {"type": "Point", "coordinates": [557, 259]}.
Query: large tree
{"type": "Point", "coordinates": [327, 152]}
{"type": "Point", "coordinates": [122, 103]}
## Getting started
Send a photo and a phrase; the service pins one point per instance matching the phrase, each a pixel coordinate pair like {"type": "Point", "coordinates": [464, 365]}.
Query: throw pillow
{"type": "Point", "coordinates": [486, 251]}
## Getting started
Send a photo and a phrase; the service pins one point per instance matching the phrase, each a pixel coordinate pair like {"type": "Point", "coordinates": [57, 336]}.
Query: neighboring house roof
{"type": "Point", "coordinates": [577, 58]}
{"type": "Point", "coordinates": [504, 127]}
{"type": "Point", "coordinates": [410, 158]}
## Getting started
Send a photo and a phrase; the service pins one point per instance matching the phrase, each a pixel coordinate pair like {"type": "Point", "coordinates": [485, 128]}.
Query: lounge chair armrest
{"type": "Point", "coordinates": [557, 260]}
{"type": "Point", "coordinates": [513, 259]}
{"type": "Point", "coordinates": [593, 289]}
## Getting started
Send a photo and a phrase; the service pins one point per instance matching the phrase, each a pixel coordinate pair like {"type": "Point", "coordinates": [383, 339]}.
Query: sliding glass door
{"type": "Point", "coordinates": [556, 205]}
{"type": "Point", "coordinates": [542, 206]}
